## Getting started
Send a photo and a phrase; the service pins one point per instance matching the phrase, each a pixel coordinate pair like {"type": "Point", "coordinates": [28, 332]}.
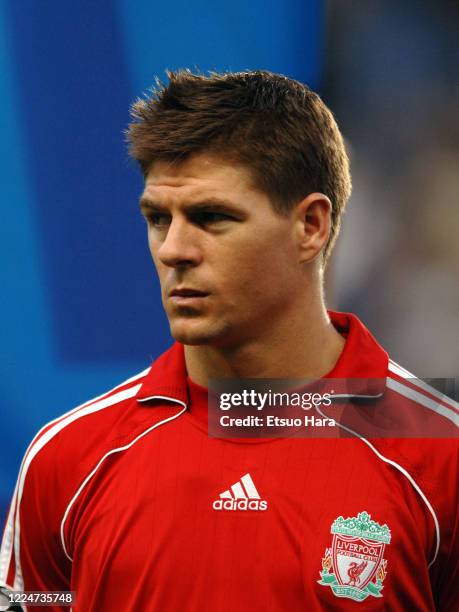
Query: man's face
{"type": "Point", "coordinates": [227, 263]}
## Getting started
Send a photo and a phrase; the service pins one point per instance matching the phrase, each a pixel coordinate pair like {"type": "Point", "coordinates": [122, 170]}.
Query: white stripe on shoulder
{"type": "Point", "coordinates": [111, 452]}
{"type": "Point", "coordinates": [37, 445]}
{"type": "Point", "coordinates": [407, 475]}
{"type": "Point", "coordinates": [403, 373]}
{"type": "Point", "coordinates": [83, 405]}
{"type": "Point", "coordinates": [422, 399]}
{"type": "Point", "coordinates": [7, 542]}
{"type": "Point", "coordinates": [95, 399]}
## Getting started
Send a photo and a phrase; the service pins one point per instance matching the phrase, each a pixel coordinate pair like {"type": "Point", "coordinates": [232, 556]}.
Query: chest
{"type": "Point", "coordinates": [188, 522]}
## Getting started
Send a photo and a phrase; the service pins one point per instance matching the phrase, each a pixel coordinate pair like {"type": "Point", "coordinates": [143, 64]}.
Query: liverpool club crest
{"type": "Point", "coordinates": [354, 566]}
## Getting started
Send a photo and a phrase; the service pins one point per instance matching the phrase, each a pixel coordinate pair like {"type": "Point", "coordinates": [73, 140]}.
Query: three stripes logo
{"type": "Point", "coordinates": [243, 495]}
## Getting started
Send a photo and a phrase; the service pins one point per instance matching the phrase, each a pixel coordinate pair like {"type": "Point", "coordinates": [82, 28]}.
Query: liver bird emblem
{"type": "Point", "coordinates": [354, 570]}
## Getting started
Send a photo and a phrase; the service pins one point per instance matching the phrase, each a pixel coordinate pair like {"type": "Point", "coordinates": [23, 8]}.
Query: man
{"type": "Point", "coordinates": [130, 504]}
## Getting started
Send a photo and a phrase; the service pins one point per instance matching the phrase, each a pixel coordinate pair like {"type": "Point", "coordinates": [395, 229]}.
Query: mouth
{"type": "Point", "coordinates": [187, 296]}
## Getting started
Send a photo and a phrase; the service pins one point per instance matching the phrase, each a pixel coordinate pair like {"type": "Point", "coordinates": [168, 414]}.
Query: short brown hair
{"type": "Point", "coordinates": [277, 127]}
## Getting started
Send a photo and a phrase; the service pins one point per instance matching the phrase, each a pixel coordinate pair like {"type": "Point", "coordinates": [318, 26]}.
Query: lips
{"type": "Point", "coordinates": [188, 298]}
{"type": "Point", "coordinates": [187, 293]}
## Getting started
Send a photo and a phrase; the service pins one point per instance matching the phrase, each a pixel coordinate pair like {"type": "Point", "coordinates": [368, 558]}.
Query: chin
{"type": "Point", "coordinates": [192, 334]}
{"type": "Point", "coordinates": [215, 331]}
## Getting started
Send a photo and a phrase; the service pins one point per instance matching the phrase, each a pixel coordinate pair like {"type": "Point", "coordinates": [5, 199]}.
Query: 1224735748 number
{"type": "Point", "coordinates": [37, 598]}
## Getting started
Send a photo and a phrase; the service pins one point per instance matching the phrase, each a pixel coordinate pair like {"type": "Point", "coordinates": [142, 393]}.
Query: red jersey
{"type": "Point", "coordinates": [126, 501]}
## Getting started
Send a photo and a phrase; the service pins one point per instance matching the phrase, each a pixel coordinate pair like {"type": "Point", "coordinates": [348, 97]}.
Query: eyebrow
{"type": "Point", "coordinates": [217, 204]}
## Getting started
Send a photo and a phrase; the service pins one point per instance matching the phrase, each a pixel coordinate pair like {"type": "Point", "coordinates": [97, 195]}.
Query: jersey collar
{"type": "Point", "coordinates": [362, 361]}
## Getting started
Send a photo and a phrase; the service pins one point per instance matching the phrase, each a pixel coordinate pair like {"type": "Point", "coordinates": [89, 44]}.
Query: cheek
{"type": "Point", "coordinates": [262, 270]}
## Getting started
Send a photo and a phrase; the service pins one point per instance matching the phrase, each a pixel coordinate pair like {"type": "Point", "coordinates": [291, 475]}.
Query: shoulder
{"type": "Point", "coordinates": [56, 461]}
{"type": "Point", "coordinates": [76, 437]}
{"type": "Point", "coordinates": [430, 401]}
{"type": "Point", "coordinates": [423, 424]}
{"type": "Point", "coordinates": [423, 448]}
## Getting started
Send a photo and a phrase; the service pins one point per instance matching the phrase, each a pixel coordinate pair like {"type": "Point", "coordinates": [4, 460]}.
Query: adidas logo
{"type": "Point", "coordinates": [243, 495]}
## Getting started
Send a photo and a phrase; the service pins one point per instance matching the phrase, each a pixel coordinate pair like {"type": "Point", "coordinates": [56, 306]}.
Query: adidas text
{"type": "Point", "coordinates": [240, 504]}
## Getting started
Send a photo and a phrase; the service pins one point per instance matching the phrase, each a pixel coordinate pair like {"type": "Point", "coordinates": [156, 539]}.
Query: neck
{"type": "Point", "coordinates": [303, 344]}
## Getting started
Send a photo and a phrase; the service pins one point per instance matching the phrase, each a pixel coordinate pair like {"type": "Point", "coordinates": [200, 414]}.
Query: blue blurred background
{"type": "Point", "coordinates": [80, 308]}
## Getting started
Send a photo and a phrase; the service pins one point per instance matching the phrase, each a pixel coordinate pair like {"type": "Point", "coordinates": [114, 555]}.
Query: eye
{"type": "Point", "coordinates": [208, 217]}
{"type": "Point", "coordinates": [158, 220]}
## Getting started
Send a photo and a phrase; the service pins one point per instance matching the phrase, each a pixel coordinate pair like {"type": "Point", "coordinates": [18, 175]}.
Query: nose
{"type": "Point", "coordinates": [179, 248]}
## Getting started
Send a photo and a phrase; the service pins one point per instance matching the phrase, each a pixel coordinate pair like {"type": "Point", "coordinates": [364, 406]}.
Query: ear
{"type": "Point", "coordinates": [312, 225]}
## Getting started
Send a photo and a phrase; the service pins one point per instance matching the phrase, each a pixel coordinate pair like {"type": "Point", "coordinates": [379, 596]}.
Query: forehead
{"type": "Point", "coordinates": [199, 175]}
